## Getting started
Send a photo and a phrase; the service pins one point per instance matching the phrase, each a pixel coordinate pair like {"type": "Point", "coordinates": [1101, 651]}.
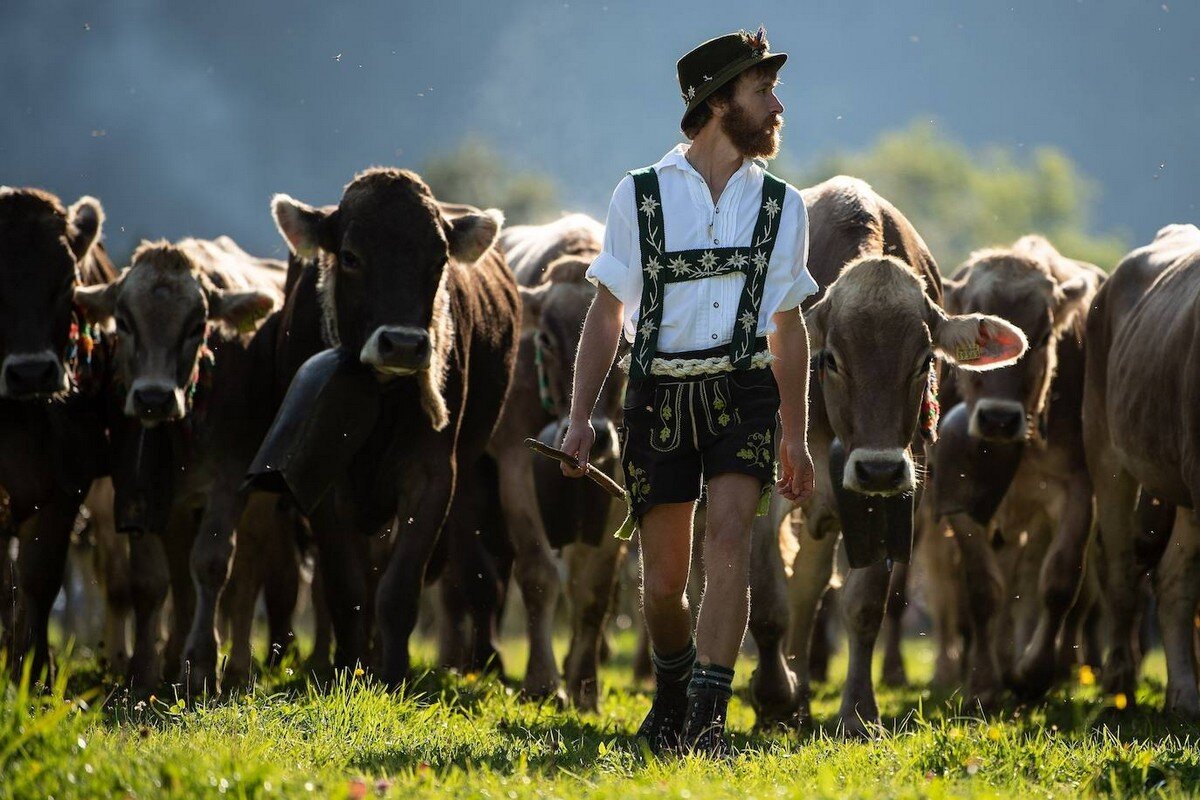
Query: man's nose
{"type": "Point", "coordinates": [776, 106]}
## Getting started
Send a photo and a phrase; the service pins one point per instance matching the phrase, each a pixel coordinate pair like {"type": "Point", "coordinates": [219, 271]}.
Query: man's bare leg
{"type": "Point", "coordinates": [666, 549]}
{"type": "Point", "coordinates": [724, 610]}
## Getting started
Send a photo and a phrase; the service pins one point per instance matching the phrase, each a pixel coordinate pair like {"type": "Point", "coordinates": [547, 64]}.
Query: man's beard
{"type": "Point", "coordinates": [753, 139]}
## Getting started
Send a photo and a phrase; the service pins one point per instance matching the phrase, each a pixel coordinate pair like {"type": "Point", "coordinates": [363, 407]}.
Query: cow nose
{"type": "Point", "coordinates": [32, 377]}
{"type": "Point", "coordinates": [153, 403]}
{"type": "Point", "coordinates": [404, 348]}
{"type": "Point", "coordinates": [999, 422]}
{"type": "Point", "coordinates": [879, 474]}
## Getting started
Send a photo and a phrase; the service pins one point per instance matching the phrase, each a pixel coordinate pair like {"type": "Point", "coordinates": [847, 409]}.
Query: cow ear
{"type": "Point", "coordinates": [303, 227]}
{"type": "Point", "coordinates": [472, 235]}
{"type": "Point", "coordinates": [1073, 296]}
{"type": "Point", "coordinates": [84, 220]}
{"type": "Point", "coordinates": [240, 311]}
{"type": "Point", "coordinates": [816, 321]}
{"type": "Point", "coordinates": [98, 302]}
{"type": "Point", "coordinates": [977, 342]}
{"type": "Point", "coordinates": [950, 292]}
{"type": "Point", "coordinates": [532, 300]}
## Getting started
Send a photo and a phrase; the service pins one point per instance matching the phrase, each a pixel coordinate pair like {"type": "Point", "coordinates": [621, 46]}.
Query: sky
{"type": "Point", "coordinates": [184, 119]}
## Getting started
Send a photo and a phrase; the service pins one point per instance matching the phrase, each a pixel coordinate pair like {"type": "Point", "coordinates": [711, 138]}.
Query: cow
{"type": "Point", "coordinates": [420, 314]}
{"type": "Point", "coordinates": [1009, 471]}
{"type": "Point", "coordinates": [52, 410]}
{"type": "Point", "coordinates": [876, 332]}
{"type": "Point", "coordinates": [183, 315]}
{"type": "Point", "coordinates": [544, 509]}
{"type": "Point", "coordinates": [1140, 419]}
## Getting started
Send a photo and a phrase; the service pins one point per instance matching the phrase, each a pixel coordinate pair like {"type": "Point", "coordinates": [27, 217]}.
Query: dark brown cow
{"type": "Point", "coordinates": [875, 333]}
{"type": "Point", "coordinates": [1140, 421]}
{"type": "Point", "coordinates": [1011, 462]}
{"type": "Point", "coordinates": [52, 443]}
{"type": "Point", "coordinates": [549, 262]}
{"type": "Point", "coordinates": [422, 303]}
{"type": "Point", "coordinates": [184, 315]}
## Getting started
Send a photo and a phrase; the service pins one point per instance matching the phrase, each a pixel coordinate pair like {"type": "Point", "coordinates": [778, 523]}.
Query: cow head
{"type": "Point", "coordinates": [875, 335]}
{"type": "Point", "coordinates": [1018, 285]}
{"type": "Point", "coordinates": [41, 248]}
{"type": "Point", "coordinates": [164, 306]}
{"type": "Point", "coordinates": [383, 252]}
{"type": "Point", "coordinates": [555, 311]}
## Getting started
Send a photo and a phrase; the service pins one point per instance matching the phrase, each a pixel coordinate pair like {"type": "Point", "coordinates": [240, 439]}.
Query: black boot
{"type": "Point", "coordinates": [663, 727]}
{"type": "Point", "coordinates": [708, 703]}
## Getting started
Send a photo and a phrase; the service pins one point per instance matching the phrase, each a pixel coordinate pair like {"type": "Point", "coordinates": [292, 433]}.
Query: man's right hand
{"type": "Point", "coordinates": [578, 444]}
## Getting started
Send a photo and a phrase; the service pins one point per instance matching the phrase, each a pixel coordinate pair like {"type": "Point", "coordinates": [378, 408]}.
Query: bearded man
{"type": "Point", "coordinates": [703, 270]}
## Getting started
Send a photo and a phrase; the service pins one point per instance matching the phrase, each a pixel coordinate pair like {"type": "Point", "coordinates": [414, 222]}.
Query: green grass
{"type": "Point", "coordinates": [462, 737]}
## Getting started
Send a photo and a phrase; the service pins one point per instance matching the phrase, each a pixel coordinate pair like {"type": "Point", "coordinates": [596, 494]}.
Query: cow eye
{"type": "Point", "coordinates": [348, 260]}
{"type": "Point", "coordinates": [123, 326]}
{"type": "Point", "coordinates": [830, 362]}
{"type": "Point", "coordinates": [544, 342]}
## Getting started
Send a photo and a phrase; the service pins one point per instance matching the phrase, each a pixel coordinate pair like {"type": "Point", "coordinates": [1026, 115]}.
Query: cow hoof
{"type": "Point", "coordinates": [235, 679]}
{"type": "Point", "coordinates": [1032, 679]}
{"type": "Point", "coordinates": [855, 727]}
{"type": "Point", "coordinates": [585, 695]}
{"type": "Point", "coordinates": [775, 699]}
{"type": "Point", "coordinates": [198, 681]}
{"type": "Point", "coordinates": [1182, 701]}
{"type": "Point", "coordinates": [894, 675]}
{"type": "Point", "coordinates": [555, 696]}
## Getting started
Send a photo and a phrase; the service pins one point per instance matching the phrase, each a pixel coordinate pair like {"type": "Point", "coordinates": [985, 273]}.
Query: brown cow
{"type": "Point", "coordinates": [1140, 422]}
{"type": "Point", "coordinates": [50, 452]}
{"type": "Point", "coordinates": [420, 313]}
{"type": "Point", "coordinates": [1010, 462]}
{"type": "Point", "coordinates": [549, 262]}
{"type": "Point", "coordinates": [875, 334]}
{"type": "Point", "coordinates": [184, 314]}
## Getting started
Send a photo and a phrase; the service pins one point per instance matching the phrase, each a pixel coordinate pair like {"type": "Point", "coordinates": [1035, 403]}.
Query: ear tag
{"type": "Point", "coordinates": [969, 351]}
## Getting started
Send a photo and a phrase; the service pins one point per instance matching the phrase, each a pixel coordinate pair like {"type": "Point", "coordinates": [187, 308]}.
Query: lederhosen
{"type": "Point", "coordinates": [690, 416]}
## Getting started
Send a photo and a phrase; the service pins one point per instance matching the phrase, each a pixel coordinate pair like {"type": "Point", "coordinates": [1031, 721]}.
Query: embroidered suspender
{"type": "Point", "coordinates": [660, 267]}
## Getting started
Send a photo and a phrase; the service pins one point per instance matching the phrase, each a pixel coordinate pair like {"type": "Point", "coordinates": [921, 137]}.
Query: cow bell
{"type": "Point", "coordinates": [329, 411]}
{"type": "Point", "coordinates": [874, 527]}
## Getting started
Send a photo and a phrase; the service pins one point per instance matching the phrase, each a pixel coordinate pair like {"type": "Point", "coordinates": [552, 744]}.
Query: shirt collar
{"type": "Point", "coordinates": [677, 157]}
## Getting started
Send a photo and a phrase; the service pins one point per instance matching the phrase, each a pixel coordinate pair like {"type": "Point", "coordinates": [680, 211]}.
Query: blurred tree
{"type": "Point", "coordinates": [961, 199]}
{"type": "Point", "coordinates": [474, 173]}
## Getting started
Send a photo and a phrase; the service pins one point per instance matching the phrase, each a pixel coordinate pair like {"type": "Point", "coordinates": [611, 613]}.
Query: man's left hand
{"type": "Point", "coordinates": [798, 481]}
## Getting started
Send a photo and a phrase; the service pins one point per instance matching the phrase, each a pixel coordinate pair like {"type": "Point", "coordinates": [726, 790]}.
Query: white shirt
{"type": "Point", "coordinates": [699, 314]}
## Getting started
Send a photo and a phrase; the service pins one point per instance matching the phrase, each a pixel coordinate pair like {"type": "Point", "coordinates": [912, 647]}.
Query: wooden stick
{"type": "Point", "coordinates": [603, 481]}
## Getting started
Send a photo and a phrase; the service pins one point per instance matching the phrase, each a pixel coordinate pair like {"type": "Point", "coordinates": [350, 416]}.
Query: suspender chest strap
{"type": "Point", "coordinates": [660, 267]}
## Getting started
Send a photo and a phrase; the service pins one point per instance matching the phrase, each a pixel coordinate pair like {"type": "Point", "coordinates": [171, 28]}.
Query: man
{"type": "Point", "coordinates": [703, 268]}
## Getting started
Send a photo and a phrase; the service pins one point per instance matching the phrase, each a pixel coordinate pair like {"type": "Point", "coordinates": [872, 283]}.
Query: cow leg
{"type": "Point", "coordinates": [1177, 589]}
{"type": "Point", "coordinates": [41, 561]}
{"type": "Point", "coordinates": [534, 569]}
{"type": "Point", "coordinates": [1061, 575]}
{"type": "Point", "coordinates": [773, 692]}
{"type": "Point", "coordinates": [944, 597]}
{"type": "Point", "coordinates": [111, 556]}
{"type": "Point", "coordinates": [319, 661]}
{"type": "Point", "coordinates": [237, 604]}
{"type": "Point", "coordinates": [864, 597]}
{"type": "Point", "coordinates": [811, 571]}
{"type": "Point", "coordinates": [592, 572]}
{"type": "Point", "coordinates": [281, 587]}
{"type": "Point", "coordinates": [1116, 495]}
{"type": "Point", "coordinates": [398, 598]}
{"type": "Point", "coordinates": [8, 591]}
{"type": "Point", "coordinates": [183, 596]}
{"type": "Point", "coordinates": [893, 629]}
{"type": "Point", "coordinates": [212, 552]}
{"type": "Point", "coordinates": [150, 580]}
{"type": "Point", "coordinates": [343, 586]}
{"type": "Point", "coordinates": [983, 589]}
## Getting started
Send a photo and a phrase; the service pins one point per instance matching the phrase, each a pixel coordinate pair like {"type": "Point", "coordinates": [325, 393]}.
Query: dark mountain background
{"type": "Point", "coordinates": [185, 118]}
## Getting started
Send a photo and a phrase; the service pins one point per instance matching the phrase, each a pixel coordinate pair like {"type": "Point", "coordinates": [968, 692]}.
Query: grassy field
{"type": "Point", "coordinates": [461, 737]}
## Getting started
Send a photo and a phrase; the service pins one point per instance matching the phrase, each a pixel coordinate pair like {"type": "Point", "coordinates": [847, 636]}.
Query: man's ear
{"type": "Point", "coordinates": [471, 235]}
{"type": "Point", "coordinates": [532, 300]}
{"type": "Point", "coordinates": [976, 342]}
{"type": "Point", "coordinates": [240, 311]}
{"type": "Point", "coordinates": [99, 302]}
{"type": "Point", "coordinates": [303, 227]}
{"type": "Point", "coordinates": [84, 220]}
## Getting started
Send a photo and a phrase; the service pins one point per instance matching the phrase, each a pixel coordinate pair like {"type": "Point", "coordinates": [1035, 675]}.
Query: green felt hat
{"type": "Point", "coordinates": [715, 63]}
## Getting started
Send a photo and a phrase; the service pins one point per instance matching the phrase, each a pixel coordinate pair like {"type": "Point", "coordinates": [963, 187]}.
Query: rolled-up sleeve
{"type": "Point", "coordinates": [616, 266]}
{"type": "Point", "coordinates": [803, 284]}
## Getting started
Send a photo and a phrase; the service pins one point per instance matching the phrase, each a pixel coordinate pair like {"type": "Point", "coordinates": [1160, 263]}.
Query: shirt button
{"type": "Point", "coordinates": [716, 305]}
{"type": "Point", "coordinates": [717, 210]}
{"type": "Point", "coordinates": [716, 241]}
{"type": "Point", "coordinates": [714, 336]}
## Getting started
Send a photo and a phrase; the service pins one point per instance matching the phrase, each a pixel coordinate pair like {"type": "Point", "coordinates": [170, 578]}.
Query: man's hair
{"type": "Point", "coordinates": [702, 113]}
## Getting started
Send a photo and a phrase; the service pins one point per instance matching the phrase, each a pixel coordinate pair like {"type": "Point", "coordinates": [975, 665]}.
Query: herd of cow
{"type": "Point", "coordinates": [368, 401]}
